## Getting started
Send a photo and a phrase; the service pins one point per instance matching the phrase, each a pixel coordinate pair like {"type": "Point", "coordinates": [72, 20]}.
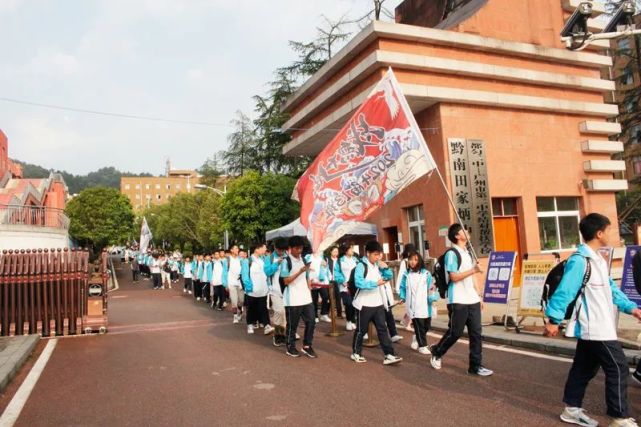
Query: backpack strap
{"type": "Point", "coordinates": [586, 279]}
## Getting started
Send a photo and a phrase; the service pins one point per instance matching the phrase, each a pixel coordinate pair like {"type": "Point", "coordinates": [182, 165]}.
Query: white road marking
{"type": "Point", "coordinates": [13, 410]}
{"type": "Point", "coordinates": [507, 349]}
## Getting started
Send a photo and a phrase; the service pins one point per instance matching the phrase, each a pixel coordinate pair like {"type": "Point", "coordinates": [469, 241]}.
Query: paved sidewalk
{"type": "Point", "coordinates": [14, 352]}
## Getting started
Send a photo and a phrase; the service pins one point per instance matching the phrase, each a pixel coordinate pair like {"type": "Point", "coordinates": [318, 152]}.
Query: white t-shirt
{"type": "Point", "coordinates": [296, 293]}
{"type": "Point", "coordinates": [154, 267]}
{"type": "Point", "coordinates": [217, 275]}
{"type": "Point", "coordinates": [371, 297]}
{"type": "Point", "coordinates": [347, 265]}
{"type": "Point", "coordinates": [461, 292]}
{"type": "Point", "coordinates": [187, 270]}
{"type": "Point", "coordinates": [233, 274]}
{"type": "Point", "coordinates": [258, 278]}
{"type": "Point", "coordinates": [274, 286]}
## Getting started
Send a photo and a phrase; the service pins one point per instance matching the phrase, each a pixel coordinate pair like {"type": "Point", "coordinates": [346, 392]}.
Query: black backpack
{"type": "Point", "coordinates": [281, 279]}
{"type": "Point", "coordinates": [351, 283]}
{"type": "Point", "coordinates": [441, 278]}
{"type": "Point", "coordinates": [553, 279]}
{"type": "Point", "coordinates": [166, 267]}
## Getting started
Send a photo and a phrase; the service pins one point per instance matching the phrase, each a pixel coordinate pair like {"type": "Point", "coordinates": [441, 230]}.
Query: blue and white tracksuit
{"type": "Point", "coordinates": [593, 322]}
{"type": "Point", "coordinates": [419, 293]}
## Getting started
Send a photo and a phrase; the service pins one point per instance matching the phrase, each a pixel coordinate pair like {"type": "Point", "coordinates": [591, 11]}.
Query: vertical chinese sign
{"type": "Point", "coordinates": [470, 191]}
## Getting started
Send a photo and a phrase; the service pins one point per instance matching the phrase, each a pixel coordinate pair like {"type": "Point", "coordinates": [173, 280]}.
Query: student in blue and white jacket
{"type": "Point", "coordinates": [188, 269]}
{"type": "Point", "coordinates": [347, 263]}
{"type": "Point", "coordinates": [217, 289]}
{"type": "Point", "coordinates": [318, 274]}
{"type": "Point", "coordinates": [371, 303]}
{"type": "Point", "coordinates": [206, 276]}
{"type": "Point", "coordinates": [275, 300]}
{"type": "Point", "coordinates": [231, 281]}
{"type": "Point", "coordinates": [335, 278]}
{"type": "Point", "coordinates": [254, 278]}
{"type": "Point", "coordinates": [418, 292]}
{"type": "Point", "coordinates": [593, 323]}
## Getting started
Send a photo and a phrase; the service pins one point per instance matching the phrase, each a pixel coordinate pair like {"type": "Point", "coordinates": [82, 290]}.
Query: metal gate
{"type": "Point", "coordinates": [44, 291]}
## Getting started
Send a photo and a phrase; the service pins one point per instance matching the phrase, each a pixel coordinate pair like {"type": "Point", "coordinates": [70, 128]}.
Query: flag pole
{"type": "Point", "coordinates": [413, 122]}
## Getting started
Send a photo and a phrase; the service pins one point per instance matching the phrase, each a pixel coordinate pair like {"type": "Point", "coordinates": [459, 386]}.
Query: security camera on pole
{"type": "Point", "coordinates": [577, 35]}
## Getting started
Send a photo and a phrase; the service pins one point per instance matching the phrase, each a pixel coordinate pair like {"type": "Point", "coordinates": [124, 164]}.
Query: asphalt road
{"type": "Point", "coordinates": [169, 361]}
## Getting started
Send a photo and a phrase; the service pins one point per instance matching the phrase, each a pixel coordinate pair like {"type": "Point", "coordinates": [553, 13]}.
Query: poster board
{"type": "Point", "coordinates": [627, 280]}
{"type": "Point", "coordinates": [498, 280]}
{"type": "Point", "coordinates": [533, 274]}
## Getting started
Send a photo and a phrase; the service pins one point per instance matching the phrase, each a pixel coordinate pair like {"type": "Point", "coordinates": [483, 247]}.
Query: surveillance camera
{"type": "Point", "coordinates": [575, 33]}
{"type": "Point", "coordinates": [577, 25]}
{"type": "Point", "coordinates": [622, 17]}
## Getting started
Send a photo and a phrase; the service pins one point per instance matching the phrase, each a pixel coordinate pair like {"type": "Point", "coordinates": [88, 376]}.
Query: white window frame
{"type": "Point", "coordinates": [556, 215]}
{"type": "Point", "coordinates": [137, 186]}
{"type": "Point", "coordinates": [157, 186]}
{"type": "Point", "coordinates": [420, 223]}
{"type": "Point", "coordinates": [127, 186]}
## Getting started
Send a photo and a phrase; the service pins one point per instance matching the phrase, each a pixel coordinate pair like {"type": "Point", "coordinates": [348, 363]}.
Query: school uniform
{"type": "Point", "coordinates": [298, 303]}
{"type": "Point", "coordinates": [272, 270]}
{"type": "Point", "coordinates": [318, 275]}
{"type": "Point", "coordinates": [154, 268]}
{"type": "Point", "coordinates": [198, 272]}
{"type": "Point", "coordinates": [418, 292]}
{"type": "Point", "coordinates": [335, 279]}
{"type": "Point", "coordinates": [231, 280]}
{"type": "Point", "coordinates": [188, 270]}
{"type": "Point", "coordinates": [347, 264]}
{"type": "Point", "coordinates": [371, 304]}
{"type": "Point", "coordinates": [165, 270]}
{"type": "Point", "coordinates": [256, 290]}
{"type": "Point", "coordinates": [205, 280]}
{"type": "Point", "coordinates": [217, 289]}
{"type": "Point", "coordinates": [135, 268]}
{"type": "Point", "coordinates": [593, 323]}
{"type": "Point", "coordinates": [464, 308]}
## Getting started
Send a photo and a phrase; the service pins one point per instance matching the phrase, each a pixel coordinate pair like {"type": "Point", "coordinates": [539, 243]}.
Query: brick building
{"type": "Point", "coordinates": [144, 192]}
{"type": "Point", "coordinates": [517, 124]}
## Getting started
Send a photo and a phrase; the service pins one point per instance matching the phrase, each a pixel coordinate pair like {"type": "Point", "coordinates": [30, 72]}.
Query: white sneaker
{"type": "Point", "coordinates": [184, 291]}
{"type": "Point", "coordinates": [357, 358]}
{"type": "Point", "coordinates": [435, 362]}
{"type": "Point", "coordinates": [189, 292]}
{"type": "Point", "coordinates": [348, 326]}
{"type": "Point", "coordinates": [414, 345]}
{"type": "Point", "coordinates": [258, 325]}
{"type": "Point", "coordinates": [424, 350]}
{"type": "Point", "coordinates": [390, 359]}
{"type": "Point", "coordinates": [317, 320]}
{"type": "Point", "coordinates": [236, 319]}
{"type": "Point", "coordinates": [198, 299]}
{"type": "Point", "coordinates": [365, 336]}
{"type": "Point", "coordinates": [325, 318]}
{"type": "Point", "coordinates": [623, 422]}
{"type": "Point", "coordinates": [396, 338]}
{"type": "Point", "coordinates": [268, 329]}
{"type": "Point", "coordinates": [297, 336]}
{"type": "Point", "coordinates": [250, 329]}
{"type": "Point", "coordinates": [578, 416]}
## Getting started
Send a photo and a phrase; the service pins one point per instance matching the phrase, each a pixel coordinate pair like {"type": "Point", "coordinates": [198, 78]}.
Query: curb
{"type": "Point", "coordinates": [14, 356]}
{"type": "Point", "coordinates": [563, 348]}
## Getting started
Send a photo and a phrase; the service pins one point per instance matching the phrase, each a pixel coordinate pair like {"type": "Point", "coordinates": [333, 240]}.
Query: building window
{"type": "Point", "coordinates": [168, 186]}
{"type": "Point", "coordinates": [627, 77]}
{"type": "Point", "coordinates": [635, 134]}
{"type": "Point", "coordinates": [629, 105]}
{"type": "Point", "coordinates": [127, 186]}
{"type": "Point", "coordinates": [157, 186]}
{"type": "Point", "coordinates": [138, 196]}
{"type": "Point", "coordinates": [158, 197]}
{"type": "Point", "coordinates": [177, 186]}
{"type": "Point", "coordinates": [137, 186]}
{"type": "Point", "coordinates": [624, 46]}
{"type": "Point", "coordinates": [146, 186]}
{"type": "Point", "coordinates": [504, 207]}
{"type": "Point", "coordinates": [636, 165]}
{"type": "Point", "coordinates": [558, 222]}
{"type": "Point", "coordinates": [416, 223]}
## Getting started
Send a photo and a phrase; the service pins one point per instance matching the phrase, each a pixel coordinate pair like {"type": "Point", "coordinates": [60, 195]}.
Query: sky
{"type": "Point", "coordinates": [185, 60]}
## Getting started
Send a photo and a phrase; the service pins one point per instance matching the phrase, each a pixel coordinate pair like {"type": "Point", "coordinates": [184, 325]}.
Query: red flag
{"type": "Point", "coordinates": [378, 153]}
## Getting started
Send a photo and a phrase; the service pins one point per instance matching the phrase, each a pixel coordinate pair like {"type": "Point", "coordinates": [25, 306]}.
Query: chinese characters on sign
{"type": "Point", "coordinates": [532, 282]}
{"type": "Point", "coordinates": [470, 187]}
{"type": "Point", "coordinates": [627, 281]}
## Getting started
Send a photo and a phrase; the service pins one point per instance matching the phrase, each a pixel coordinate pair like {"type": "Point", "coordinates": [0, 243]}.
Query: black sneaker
{"type": "Point", "coordinates": [636, 376]}
{"type": "Point", "coordinates": [309, 352]}
{"type": "Point", "coordinates": [292, 352]}
{"type": "Point", "coordinates": [278, 341]}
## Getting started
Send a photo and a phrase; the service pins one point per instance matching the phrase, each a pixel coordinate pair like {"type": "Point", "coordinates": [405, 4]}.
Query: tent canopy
{"type": "Point", "coordinates": [295, 228]}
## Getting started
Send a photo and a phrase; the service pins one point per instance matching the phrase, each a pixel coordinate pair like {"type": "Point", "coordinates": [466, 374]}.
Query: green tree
{"type": "Point", "coordinates": [212, 170]}
{"type": "Point", "coordinates": [99, 217]}
{"type": "Point", "coordinates": [255, 204]}
{"type": "Point", "coordinates": [241, 155]}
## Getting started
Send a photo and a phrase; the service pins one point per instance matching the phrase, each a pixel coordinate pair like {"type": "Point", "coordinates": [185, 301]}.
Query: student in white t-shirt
{"type": "Point", "coordinates": [297, 297]}
{"type": "Point", "coordinates": [464, 303]}
{"type": "Point", "coordinates": [231, 280]}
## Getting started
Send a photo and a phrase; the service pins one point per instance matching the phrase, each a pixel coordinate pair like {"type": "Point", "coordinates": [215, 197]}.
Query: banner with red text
{"type": "Point", "coordinates": [378, 153]}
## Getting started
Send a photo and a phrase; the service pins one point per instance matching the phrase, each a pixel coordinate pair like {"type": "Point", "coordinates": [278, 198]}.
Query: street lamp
{"type": "Point", "coordinates": [220, 193]}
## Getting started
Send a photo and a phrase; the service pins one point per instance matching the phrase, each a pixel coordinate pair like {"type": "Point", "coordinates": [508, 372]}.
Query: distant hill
{"type": "Point", "coordinates": [105, 177]}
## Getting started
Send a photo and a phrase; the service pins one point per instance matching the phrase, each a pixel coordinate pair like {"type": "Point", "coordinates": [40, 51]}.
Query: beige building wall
{"type": "Point", "coordinates": [147, 191]}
